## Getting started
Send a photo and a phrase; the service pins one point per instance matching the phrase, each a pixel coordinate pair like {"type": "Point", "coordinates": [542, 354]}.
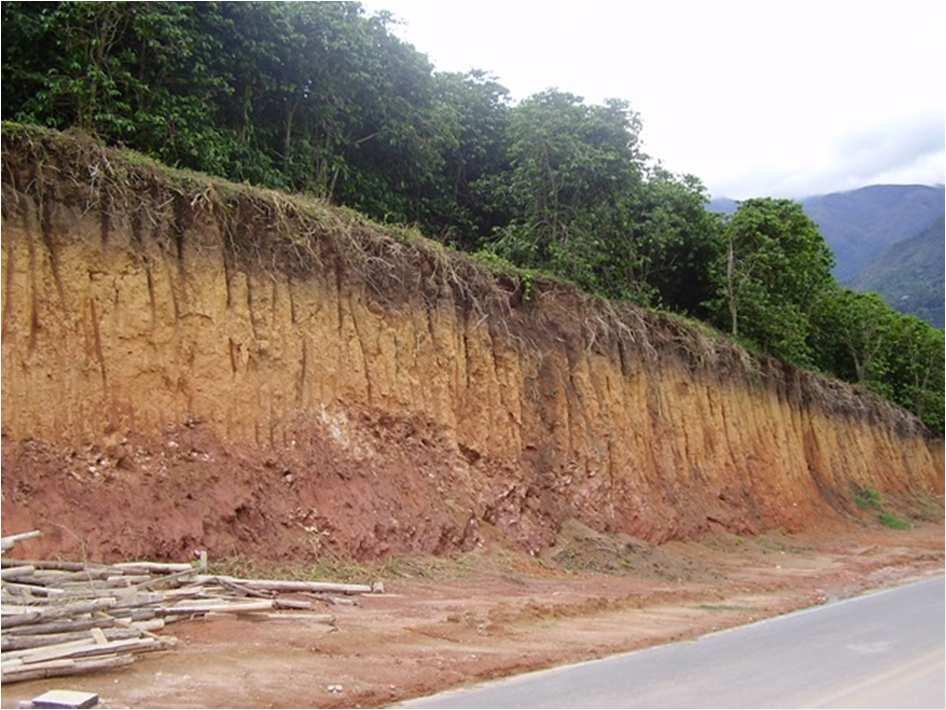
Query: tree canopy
{"type": "Point", "coordinates": [323, 98]}
{"type": "Point", "coordinates": [774, 266]}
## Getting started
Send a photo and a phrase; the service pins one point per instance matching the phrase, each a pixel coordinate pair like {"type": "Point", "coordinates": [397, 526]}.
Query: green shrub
{"type": "Point", "coordinates": [892, 521]}
{"type": "Point", "coordinates": [866, 498]}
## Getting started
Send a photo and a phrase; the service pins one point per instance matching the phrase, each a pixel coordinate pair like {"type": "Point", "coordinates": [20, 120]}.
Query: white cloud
{"type": "Point", "coordinates": [753, 97]}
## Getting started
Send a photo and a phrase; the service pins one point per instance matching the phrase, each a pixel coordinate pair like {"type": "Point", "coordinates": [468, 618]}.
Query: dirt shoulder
{"type": "Point", "coordinates": [489, 614]}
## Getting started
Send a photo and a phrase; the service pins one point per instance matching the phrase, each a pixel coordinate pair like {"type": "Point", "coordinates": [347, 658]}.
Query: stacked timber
{"type": "Point", "coordinates": [64, 618]}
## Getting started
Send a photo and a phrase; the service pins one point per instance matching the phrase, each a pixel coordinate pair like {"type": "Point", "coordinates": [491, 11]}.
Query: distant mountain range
{"type": "Point", "coordinates": [909, 274]}
{"type": "Point", "coordinates": [886, 238]}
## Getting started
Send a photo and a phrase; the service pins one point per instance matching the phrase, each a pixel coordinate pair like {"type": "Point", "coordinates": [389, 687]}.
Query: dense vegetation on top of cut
{"type": "Point", "coordinates": [322, 99]}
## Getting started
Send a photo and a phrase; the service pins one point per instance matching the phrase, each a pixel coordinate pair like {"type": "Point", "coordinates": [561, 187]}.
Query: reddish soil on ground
{"type": "Point", "coordinates": [490, 613]}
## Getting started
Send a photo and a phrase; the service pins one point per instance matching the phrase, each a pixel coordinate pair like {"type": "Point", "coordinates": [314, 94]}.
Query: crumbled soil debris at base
{"type": "Point", "coordinates": [579, 548]}
{"type": "Point", "coordinates": [493, 613]}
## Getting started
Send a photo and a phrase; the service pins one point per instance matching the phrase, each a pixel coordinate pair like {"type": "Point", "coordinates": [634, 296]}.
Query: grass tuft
{"type": "Point", "coordinates": [867, 498]}
{"type": "Point", "coordinates": [892, 521]}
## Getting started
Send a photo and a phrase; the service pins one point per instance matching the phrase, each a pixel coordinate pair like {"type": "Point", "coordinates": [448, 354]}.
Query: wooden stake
{"type": "Point", "coordinates": [58, 612]}
{"type": "Point", "coordinates": [156, 567]}
{"type": "Point", "coordinates": [233, 608]}
{"type": "Point", "coordinates": [69, 667]}
{"type": "Point", "coordinates": [21, 571]}
{"type": "Point", "coordinates": [284, 585]}
{"type": "Point", "coordinates": [10, 540]}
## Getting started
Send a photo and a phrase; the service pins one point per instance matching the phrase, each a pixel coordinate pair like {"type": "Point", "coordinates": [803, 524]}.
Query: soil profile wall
{"type": "Point", "coordinates": [366, 377]}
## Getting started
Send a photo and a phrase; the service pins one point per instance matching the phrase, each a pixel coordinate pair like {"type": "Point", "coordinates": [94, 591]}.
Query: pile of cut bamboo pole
{"type": "Point", "coordinates": [63, 618]}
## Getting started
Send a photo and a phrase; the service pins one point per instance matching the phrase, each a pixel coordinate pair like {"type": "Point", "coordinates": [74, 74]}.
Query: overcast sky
{"type": "Point", "coordinates": [784, 98]}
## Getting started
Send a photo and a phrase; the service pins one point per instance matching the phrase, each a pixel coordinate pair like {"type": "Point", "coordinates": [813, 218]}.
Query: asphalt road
{"type": "Point", "coordinates": [883, 649]}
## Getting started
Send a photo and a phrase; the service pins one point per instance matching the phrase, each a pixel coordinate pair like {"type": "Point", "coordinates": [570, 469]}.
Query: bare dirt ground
{"type": "Point", "coordinates": [491, 613]}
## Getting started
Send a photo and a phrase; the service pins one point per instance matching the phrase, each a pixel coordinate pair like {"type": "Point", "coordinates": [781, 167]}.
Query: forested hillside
{"type": "Point", "coordinates": [909, 274]}
{"type": "Point", "coordinates": [861, 224]}
{"type": "Point", "coordinates": [886, 239]}
{"type": "Point", "coordinates": [321, 98]}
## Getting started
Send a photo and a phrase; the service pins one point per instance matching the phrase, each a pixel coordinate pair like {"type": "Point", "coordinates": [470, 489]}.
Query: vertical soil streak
{"type": "Point", "coordinates": [140, 255]}
{"type": "Point", "coordinates": [303, 368]}
{"type": "Point", "coordinates": [172, 289]}
{"type": "Point", "coordinates": [149, 279]}
{"type": "Point", "coordinates": [105, 220]}
{"type": "Point", "coordinates": [179, 228]}
{"type": "Point", "coordinates": [227, 276]}
{"type": "Point", "coordinates": [46, 229]}
{"type": "Point", "coordinates": [338, 298]}
{"type": "Point", "coordinates": [292, 301]}
{"type": "Point", "coordinates": [233, 357]}
{"type": "Point", "coordinates": [361, 348]}
{"type": "Point", "coordinates": [249, 305]}
{"type": "Point", "coordinates": [32, 292]}
{"type": "Point", "coordinates": [8, 286]}
{"type": "Point", "coordinates": [97, 335]}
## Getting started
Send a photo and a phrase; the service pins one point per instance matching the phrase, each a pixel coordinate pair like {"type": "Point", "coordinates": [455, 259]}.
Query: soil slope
{"type": "Point", "coordinates": [190, 363]}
